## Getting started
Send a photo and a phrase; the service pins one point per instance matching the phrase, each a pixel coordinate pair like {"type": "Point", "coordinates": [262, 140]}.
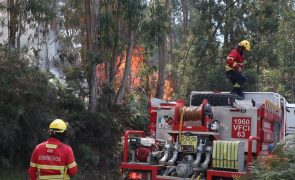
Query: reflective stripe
{"type": "Point", "coordinates": [53, 177]}
{"type": "Point", "coordinates": [51, 167]}
{"type": "Point", "coordinates": [228, 68]}
{"type": "Point", "coordinates": [33, 164]}
{"type": "Point", "coordinates": [72, 165]}
{"type": "Point", "coordinates": [229, 57]}
{"type": "Point", "coordinates": [237, 85]}
{"type": "Point", "coordinates": [51, 146]}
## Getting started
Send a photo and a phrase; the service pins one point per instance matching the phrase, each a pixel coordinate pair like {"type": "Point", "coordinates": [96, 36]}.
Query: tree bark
{"type": "Point", "coordinates": [113, 64]}
{"type": "Point", "coordinates": [92, 22]}
{"type": "Point", "coordinates": [184, 7]}
{"type": "Point", "coordinates": [162, 47]}
{"type": "Point", "coordinates": [228, 29]}
{"type": "Point", "coordinates": [19, 30]}
{"type": "Point", "coordinates": [161, 68]}
{"type": "Point", "coordinates": [125, 79]}
{"type": "Point", "coordinates": [13, 11]}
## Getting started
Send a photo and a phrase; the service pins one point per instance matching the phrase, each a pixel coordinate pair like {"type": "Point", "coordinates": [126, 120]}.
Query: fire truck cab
{"type": "Point", "coordinates": [216, 137]}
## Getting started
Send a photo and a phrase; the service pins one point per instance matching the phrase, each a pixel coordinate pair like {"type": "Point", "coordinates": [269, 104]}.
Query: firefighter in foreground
{"type": "Point", "coordinates": [53, 159]}
{"type": "Point", "coordinates": [235, 65]}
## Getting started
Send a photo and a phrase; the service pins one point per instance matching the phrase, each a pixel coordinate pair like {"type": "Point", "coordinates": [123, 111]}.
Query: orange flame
{"type": "Point", "coordinates": [135, 77]}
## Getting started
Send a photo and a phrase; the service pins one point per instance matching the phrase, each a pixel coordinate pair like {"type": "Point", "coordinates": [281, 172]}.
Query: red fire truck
{"type": "Point", "coordinates": [216, 137]}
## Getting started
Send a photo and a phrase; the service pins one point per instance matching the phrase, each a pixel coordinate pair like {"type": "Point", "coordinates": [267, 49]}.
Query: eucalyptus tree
{"type": "Point", "coordinates": [185, 14]}
{"type": "Point", "coordinates": [155, 31]}
{"type": "Point", "coordinates": [25, 15]}
{"type": "Point", "coordinates": [80, 53]}
{"type": "Point", "coordinates": [112, 39]}
{"type": "Point", "coordinates": [163, 15]}
{"type": "Point", "coordinates": [92, 23]}
{"type": "Point", "coordinates": [262, 23]}
{"type": "Point", "coordinates": [202, 46]}
{"type": "Point", "coordinates": [98, 32]}
{"type": "Point", "coordinates": [26, 103]}
{"type": "Point", "coordinates": [13, 24]}
{"type": "Point", "coordinates": [232, 31]}
{"type": "Point", "coordinates": [133, 11]}
{"type": "Point", "coordinates": [284, 49]}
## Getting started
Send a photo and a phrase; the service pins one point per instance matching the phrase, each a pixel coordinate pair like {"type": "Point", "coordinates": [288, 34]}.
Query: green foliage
{"type": "Point", "coordinates": [285, 50]}
{"type": "Point", "coordinates": [89, 140]}
{"type": "Point", "coordinates": [25, 99]}
{"type": "Point", "coordinates": [30, 99]}
{"type": "Point", "coordinates": [133, 12]}
{"type": "Point", "coordinates": [75, 79]}
{"type": "Point", "coordinates": [15, 174]}
{"type": "Point", "coordinates": [40, 11]}
{"type": "Point", "coordinates": [217, 80]}
{"type": "Point", "coordinates": [267, 168]}
{"type": "Point", "coordinates": [263, 17]}
{"type": "Point", "coordinates": [253, 80]}
{"type": "Point", "coordinates": [199, 57]}
{"type": "Point", "coordinates": [156, 23]}
{"type": "Point", "coordinates": [262, 24]}
{"type": "Point", "coordinates": [138, 109]}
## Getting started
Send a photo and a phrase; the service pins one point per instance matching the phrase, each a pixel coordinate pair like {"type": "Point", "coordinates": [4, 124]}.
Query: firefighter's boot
{"type": "Point", "coordinates": [240, 92]}
{"type": "Point", "coordinates": [234, 91]}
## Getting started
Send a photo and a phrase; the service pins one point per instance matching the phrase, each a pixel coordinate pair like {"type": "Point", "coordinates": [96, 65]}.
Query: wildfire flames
{"type": "Point", "coordinates": [139, 80]}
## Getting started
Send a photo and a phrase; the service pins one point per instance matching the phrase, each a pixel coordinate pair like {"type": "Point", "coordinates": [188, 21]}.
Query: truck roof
{"type": "Point", "coordinates": [290, 105]}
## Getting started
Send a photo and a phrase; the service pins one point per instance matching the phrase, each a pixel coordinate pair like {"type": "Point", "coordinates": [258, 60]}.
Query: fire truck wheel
{"type": "Point", "coordinates": [214, 99]}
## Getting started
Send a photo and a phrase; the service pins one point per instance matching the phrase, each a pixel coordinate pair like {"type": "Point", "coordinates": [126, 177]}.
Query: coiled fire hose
{"type": "Point", "coordinates": [187, 114]}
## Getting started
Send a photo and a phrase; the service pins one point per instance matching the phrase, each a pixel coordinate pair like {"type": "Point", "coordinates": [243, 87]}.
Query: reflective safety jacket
{"type": "Point", "coordinates": [234, 60]}
{"type": "Point", "coordinates": [52, 159]}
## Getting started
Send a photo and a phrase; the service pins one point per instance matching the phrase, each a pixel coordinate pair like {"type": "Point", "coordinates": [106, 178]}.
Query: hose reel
{"type": "Point", "coordinates": [184, 114]}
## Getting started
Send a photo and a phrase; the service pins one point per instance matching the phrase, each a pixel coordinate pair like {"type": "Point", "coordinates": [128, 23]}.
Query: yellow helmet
{"type": "Point", "coordinates": [246, 44]}
{"type": "Point", "coordinates": [58, 126]}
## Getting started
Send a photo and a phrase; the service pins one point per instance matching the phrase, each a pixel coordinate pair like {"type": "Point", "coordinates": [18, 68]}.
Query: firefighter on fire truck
{"type": "Point", "coordinates": [53, 159]}
{"type": "Point", "coordinates": [234, 67]}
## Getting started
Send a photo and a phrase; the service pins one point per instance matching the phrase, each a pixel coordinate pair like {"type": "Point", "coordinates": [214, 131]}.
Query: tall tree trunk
{"type": "Point", "coordinates": [228, 28]}
{"type": "Point", "coordinates": [125, 79]}
{"type": "Point", "coordinates": [19, 34]}
{"type": "Point", "coordinates": [113, 64]}
{"type": "Point", "coordinates": [47, 61]}
{"type": "Point", "coordinates": [161, 68]}
{"type": "Point", "coordinates": [91, 8]}
{"type": "Point", "coordinates": [94, 89]}
{"type": "Point", "coordinates": [184, 7]}
{"type": "Point", "coordinates": [162, 46]}
{"type": "Point", "coordinates": [13, 11]}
